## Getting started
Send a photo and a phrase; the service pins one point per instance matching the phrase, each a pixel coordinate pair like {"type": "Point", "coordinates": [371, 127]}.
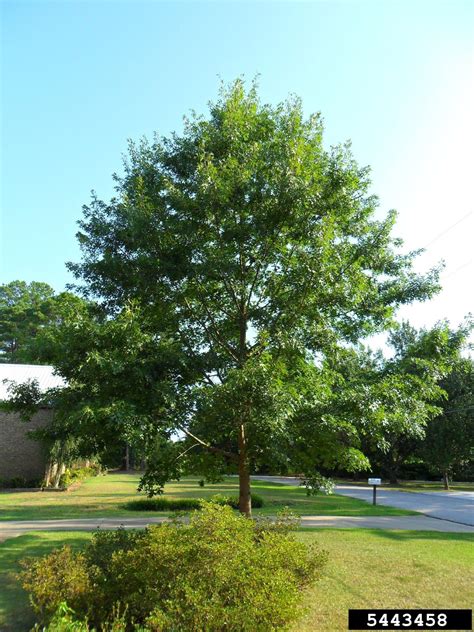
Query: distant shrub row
{"type": "Point", "coordinates": [161, 503]}
{"type": "Point", "coordinates": [221, 571]}
{"type": "Point", "coordinates": [20, 482]}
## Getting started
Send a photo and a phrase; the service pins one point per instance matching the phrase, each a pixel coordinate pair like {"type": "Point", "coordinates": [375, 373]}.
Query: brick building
{"type": "Point", "coordinates": [21, 455]}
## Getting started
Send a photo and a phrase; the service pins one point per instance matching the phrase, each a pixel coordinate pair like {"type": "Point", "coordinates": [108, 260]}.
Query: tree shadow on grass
{"type": "Point", "coordinates": [404, 536]}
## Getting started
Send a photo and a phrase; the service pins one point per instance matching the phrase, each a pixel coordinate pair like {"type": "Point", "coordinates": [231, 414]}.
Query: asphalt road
{"type": "Point", "coordinates": [453, 506]}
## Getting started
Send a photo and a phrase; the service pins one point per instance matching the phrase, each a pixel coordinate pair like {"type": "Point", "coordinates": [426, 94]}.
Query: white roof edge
{"type": "Point", "coordinates": [22, 373]}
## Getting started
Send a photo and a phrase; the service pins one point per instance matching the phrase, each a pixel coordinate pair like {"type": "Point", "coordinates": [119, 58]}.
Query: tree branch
{"type": "Point", "coordinates": [212, 335]}
{"type": "Point", "coordinates": [211, 448]}
{"type": "Point", "coordinates": [183, 453]}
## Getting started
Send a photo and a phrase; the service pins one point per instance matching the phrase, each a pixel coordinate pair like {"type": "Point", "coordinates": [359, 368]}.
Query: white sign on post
{"type": "Point", "coordinates": [375, 481]}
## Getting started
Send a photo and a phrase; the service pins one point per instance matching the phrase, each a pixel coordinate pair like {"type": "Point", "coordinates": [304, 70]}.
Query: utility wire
{"type": "Point", "coordinates": [461, 267]}
{"type": "Point", "coordinates": [446, 230]}
{"type": "Point", "coordinates": [457, 410]}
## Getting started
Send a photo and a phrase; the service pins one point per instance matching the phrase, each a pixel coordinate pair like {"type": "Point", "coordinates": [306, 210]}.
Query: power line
{"type": "Point", "coordinates": [461, 267]}
{"type": "Point", "coordinates": [457, 410]}
{"type": "Point", "coordinates": [446, 230]}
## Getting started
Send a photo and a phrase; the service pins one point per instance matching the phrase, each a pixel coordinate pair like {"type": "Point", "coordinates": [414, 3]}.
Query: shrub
{"type": "Point", "coordinates": [61, 576]}
{"type": "Point", "coordinates": [163, 504]}
{"type": "Point", "coordinates": [77, 474]}
{"type": "Point", "coordinates": [105, 543]}
{"type": "Point", "coordinates": [184, 504]}
{"type": "Point", "coordinates": [233, 501]}
{"type": "Point", "coordinates": [20, 482]}
{"type": "Point", "coordinates": [220, 571]}
{"type": "Point", "coordinates": [64, 620]}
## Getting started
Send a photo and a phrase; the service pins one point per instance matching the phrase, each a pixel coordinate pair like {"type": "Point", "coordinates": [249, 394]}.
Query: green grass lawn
{"type": "Point", "coordinates": [388, 569]}
{"type": "Point", "coordinates": [106, 496]}
{"type": "Point", "coordinates": [366, 569]}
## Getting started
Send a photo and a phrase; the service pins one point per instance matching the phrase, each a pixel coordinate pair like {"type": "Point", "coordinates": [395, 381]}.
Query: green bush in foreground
{"type": "Point", "coordinates": [220, 571]}
{"type": "Point", "coordinates": [184, 504]}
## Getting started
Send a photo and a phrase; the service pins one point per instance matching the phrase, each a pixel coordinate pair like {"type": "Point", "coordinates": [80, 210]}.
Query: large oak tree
{"type": "Point", "coordinates": [260, 255]}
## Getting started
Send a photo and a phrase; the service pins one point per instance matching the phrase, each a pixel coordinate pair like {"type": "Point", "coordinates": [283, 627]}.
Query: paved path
{"type": "Point", "coordinates": [13, 528]}
{"type": "Point", "coordinates": [457, 507]}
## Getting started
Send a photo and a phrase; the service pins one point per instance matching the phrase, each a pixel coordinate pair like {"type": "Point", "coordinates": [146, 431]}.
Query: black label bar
{"type": "Point", "coordinates": [410, 619]}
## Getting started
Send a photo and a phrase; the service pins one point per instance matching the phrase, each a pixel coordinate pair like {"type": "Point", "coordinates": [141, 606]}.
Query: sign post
{"type": "Point", "coordinates": [374, 482]}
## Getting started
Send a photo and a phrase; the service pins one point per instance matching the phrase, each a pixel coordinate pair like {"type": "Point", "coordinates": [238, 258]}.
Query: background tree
{"type": "Point", "coordinates": [449, 441]}
{"type": "Point", "coordinates": [411, 384]}
{"type": "Point", "coordinates": [29, 315]}
{"type": "Point", "coordinates": [117, 382]}
{"type": "Point", "coordinates": [256, 251]}
{"type": "Point", "coordinates": [24, 309]}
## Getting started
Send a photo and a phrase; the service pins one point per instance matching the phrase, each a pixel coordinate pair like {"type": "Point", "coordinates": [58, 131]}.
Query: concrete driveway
{"type": "Point", "coordinates": [455, 507]}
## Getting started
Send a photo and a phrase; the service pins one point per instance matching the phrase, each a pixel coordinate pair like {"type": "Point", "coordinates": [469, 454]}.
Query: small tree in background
{"type": "Point", "coordinates": [449, 442]}
{"type": "Point", "coordinates": [29, 314]}
{"type": "Point", "coordinates": [412, 386]}
{"type": "Point", "coordinates": [24, 309]}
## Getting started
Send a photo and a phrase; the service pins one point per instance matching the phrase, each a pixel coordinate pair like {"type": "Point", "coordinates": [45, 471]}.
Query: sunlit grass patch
{"type": "Point", "coordinates": [106, 496]}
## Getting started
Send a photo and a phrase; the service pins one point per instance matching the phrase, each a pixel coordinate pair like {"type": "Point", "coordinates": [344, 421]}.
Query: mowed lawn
{"type": "Point", "coordinates": [107, 495]}
{"type": "Point", "coordinates": [388, 569]}
{"type": "Point", "coordinates": [366, 569]}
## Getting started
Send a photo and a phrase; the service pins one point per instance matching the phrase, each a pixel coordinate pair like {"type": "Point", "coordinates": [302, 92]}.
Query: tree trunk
{"type": "Point", "coordinates": [245, 501]}
{"type": "Point", "coordinates": [49, 473]}
{"type": "Point", "coordinates": [446, 480]}
{"type": "Point", "coordinates": [59, 472]}
{"type": "Point", "coordinates": [126, 461]}
{"type": "Point", "coordinates": [392, 474]}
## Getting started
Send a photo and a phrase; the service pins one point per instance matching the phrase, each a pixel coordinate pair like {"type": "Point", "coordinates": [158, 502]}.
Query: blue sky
{"type": "Point", "coordinates": [79, 78]}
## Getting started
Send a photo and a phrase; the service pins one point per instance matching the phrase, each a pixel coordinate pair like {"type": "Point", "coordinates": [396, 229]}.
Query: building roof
{"type": "Point", "coordinates": [21, 373]}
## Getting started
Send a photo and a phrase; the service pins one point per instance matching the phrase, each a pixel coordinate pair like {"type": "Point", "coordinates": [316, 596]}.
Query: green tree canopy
{"type": "Point", "coordinates": [258, 254]}
{"type": "Point", "coordinates": [24, 309]}
{"type": "Point", "coordinates": [411, 385]}
{"type": "Point", "coordinates": [29, 315]}
{"type": "Point", "coordinates": [449, 442]}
